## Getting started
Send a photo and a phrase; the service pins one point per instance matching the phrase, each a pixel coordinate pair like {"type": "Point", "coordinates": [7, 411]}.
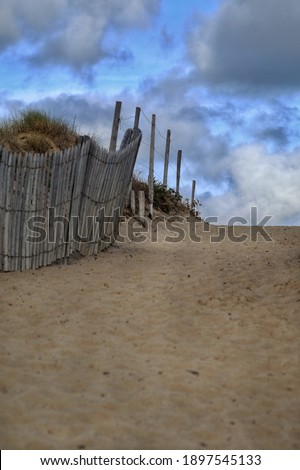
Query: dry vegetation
{"type": "Point", "coordinates": [164, 199]}
{"type": "Point", "coordinates": [36, 131]}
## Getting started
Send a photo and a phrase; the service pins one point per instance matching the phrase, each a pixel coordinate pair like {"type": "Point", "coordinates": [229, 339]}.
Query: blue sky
{"type": "Point", "coordinates": [223, 75]}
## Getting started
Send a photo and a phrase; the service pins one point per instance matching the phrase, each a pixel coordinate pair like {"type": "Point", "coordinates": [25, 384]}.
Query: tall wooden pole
{"type": "Point", "coordinates": [132, 201]}
{"type": "Point", "coordinates": [193, 195]}
{"type": "Point", "coordinates": [135, 129]}
{"type": "Point", "coordinates": [179, 155]}
{"type": "Point", "coordinates": [141, 204]}
{"type": "Point", "coordinates": [167, 155]}
{"type": "Point", "coordinates": [151, 165]}
{"type": "Point", "coordinates": [115, 127]}
{"type": "Point", "coordinates": [137, 117]}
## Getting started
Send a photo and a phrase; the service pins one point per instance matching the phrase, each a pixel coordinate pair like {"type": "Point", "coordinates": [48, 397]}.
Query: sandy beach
{"type": "Point", "coordinates": [189, 345]}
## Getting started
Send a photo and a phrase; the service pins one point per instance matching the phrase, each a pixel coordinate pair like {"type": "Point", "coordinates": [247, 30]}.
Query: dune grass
{"type": "Point", "coordinates": [164, 199]}
{"type": "Point", "coordinates": [36, 131]}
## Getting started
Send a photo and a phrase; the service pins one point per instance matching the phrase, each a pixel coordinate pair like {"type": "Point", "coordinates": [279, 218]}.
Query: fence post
{"type": "Point", "coordinates": [151, 165]}
{"type": "Point", "coordinates": [167, 154]}
{"type": "Point", "coordinates": [132, 201]}
{"type": "Point", "coordinates": [179, 155]}
{"type": "Point", "coordinates": [193, 196]}
{"type": "Point", "coordinates": [137, 117]}
{"type": "Point", "coordinates": [135, 128]}
{"type": "Point", "coordinates": [115, 127]}
{"type": "Point", "coordinates": [141, 204]}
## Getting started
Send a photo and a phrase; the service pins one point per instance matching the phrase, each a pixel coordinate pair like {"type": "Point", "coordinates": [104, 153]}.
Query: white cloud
{"type": "Point", "coordinates": [8, 28]}
{"type": "Point", "coordinates": [70, 32]}
{"type": "Point", "coordinates": [21, 20]}
{"type": "Point", "coordinates": [267, 181]}
{"type": "Point", "coordinates": [253, 43]}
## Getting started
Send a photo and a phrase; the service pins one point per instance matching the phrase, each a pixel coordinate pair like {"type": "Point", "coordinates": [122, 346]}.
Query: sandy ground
{"type": "Point", "coordinates": [156, 346]}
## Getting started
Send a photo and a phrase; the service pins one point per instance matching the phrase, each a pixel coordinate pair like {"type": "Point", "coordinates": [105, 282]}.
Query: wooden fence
{"type": "Point", "coordinates": [54, 204]}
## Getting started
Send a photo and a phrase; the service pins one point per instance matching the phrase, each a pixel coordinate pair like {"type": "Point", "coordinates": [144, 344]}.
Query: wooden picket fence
{"type": "Point", "coordinates": [54, 204]}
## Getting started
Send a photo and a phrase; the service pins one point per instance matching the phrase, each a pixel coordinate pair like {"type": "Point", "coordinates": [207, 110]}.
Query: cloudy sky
{"type": "Point", "coordinates": [222, 75]}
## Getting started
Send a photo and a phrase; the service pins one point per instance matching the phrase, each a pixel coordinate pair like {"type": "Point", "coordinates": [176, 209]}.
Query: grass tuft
{"type": "Point", "coordinates": [36, 131]}
{"type": "Point", "coordinates": [164, 200]}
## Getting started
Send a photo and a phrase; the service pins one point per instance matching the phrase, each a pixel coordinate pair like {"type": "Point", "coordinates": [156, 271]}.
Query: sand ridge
{"type": "Point", "coordinates": [155, 346]}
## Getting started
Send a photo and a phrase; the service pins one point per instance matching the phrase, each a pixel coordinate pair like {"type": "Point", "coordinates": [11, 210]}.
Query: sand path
{"type": "Point", "coordinates": [155, 346]}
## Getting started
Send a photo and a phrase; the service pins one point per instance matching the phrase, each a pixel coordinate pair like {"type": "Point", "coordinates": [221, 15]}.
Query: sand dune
{"type": "Point", "coordinates": [156, 346]}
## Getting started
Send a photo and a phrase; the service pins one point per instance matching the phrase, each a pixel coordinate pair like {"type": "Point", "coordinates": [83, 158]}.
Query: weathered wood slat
{"type": "Point", "coordinates": [2, 201]}
{"type": "Point", "coordinates": [34, 206]}
{"type": "Point", "coordinates": [61, 202]}
{"type": "Point", "coordinates": [44, 208]}
{"type": "Point", "coordinates": [40, 204]}
{"type": "Point", "coordinates": [23, 179]}
{"type": "Point", "coordinates": [26, 208]}
{"type": "Point", "coordinates": [49, 246]}
{"type": "Point", "coordinates": [14, 213]}
{"type": "Point", "coordinates": [76, 163]}
{"type": "Point", "coordinates": [8, 195]}
{"type": "Point", "coordinates": [67, 200]}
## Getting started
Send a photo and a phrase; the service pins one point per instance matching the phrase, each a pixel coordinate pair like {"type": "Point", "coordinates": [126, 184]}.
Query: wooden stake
{"type": "Point", "coordinates": [179, 155]}
{"type": "Point", "coordinates": [193, 195]}
{"type": "Point", "coordinates": [132, 201]}
{"type": "Point", "coordinates": [137, 117]}
{"type": "Point", "coordinates": [141, 204]}
{"type": "Point", "coordinates": [135, 128]}
{"type": "Point", "coordinates": [115, 127]}
{"type": "Point", "coordinates": [151, 165]}
{"type": "Point", "coordinates": [167, 154]}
